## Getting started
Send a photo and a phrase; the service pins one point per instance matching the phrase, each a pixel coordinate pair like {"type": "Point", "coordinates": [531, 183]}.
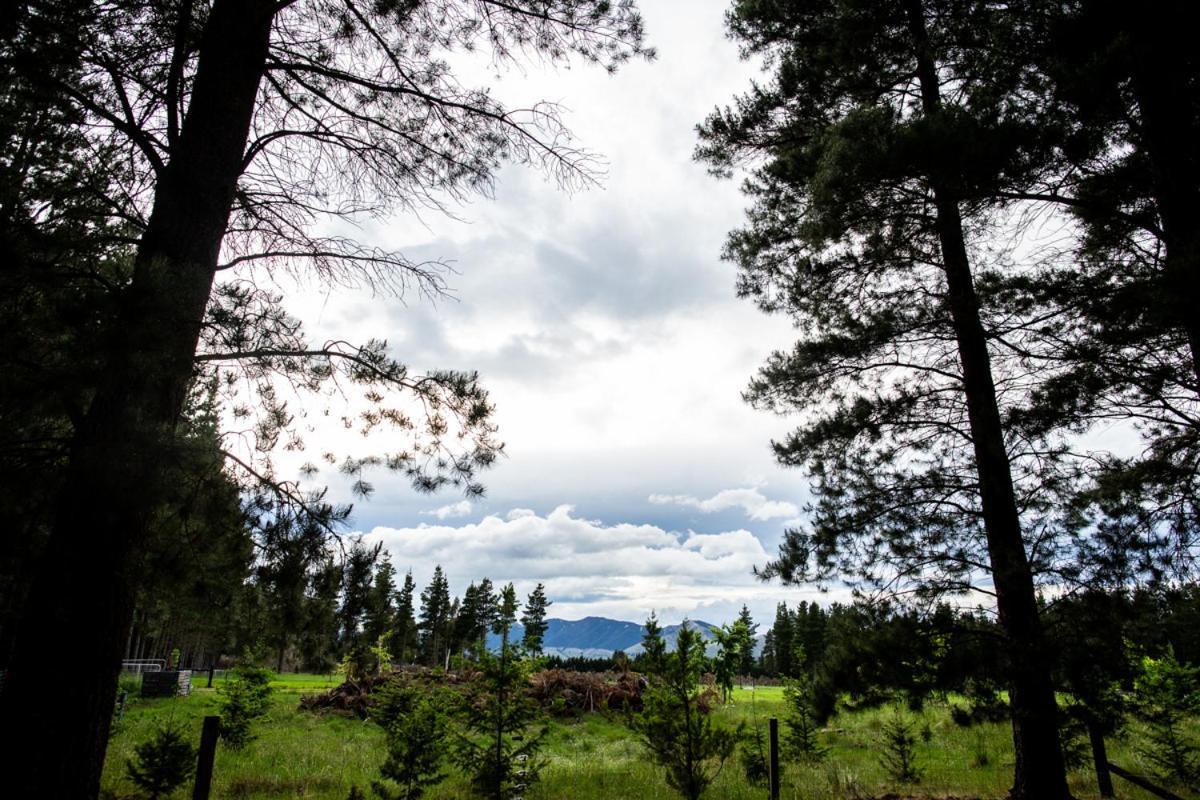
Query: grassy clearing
{"type": "Point", "coordinates": [595, 757]}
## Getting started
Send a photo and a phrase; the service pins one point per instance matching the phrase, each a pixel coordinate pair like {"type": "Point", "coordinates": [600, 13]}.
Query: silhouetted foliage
{"type": "Point", "coordinates": [162, 763]}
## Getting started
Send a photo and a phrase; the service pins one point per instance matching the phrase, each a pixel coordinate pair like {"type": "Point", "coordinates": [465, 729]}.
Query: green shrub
{"type": "Point", "coordinates": [1164, 694]}
{"type": "Point", "coordinates": [162, 763]}
{"type": "Point", "coordinates": [245, 698]}
{"type": "Point", "coordinates": [899, 749]}
{"type": "Point", "coordinates": [752, 748]}
{"type": "Point", "coordinates": [500, 732]}
{"type": "Point", "coordinates": [676, 730]}
{"type": "Point", "coordinates": [130, 683]}
{"type": "Point", "coordinates": [416, 746]}
{"type": "Point", "coordinates": [800, 696]}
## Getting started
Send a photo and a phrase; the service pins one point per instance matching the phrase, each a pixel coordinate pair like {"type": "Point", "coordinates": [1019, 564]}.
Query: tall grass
{"type": "Point", "coordinates": [594, 757]}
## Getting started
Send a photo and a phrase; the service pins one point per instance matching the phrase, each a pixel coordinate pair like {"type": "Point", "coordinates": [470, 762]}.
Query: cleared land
{"type": "Point", "coordinates": [301, 754]}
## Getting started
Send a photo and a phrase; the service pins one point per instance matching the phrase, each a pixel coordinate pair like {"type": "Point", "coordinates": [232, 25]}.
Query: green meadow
{"type": "Point", "coordinates": [300, 754]}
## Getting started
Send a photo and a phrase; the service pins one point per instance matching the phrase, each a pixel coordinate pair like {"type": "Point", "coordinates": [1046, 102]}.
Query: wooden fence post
{"type": "Point", "coordinates": [204, 761]}
{"type": "Point", "coordinates": [773, 728]}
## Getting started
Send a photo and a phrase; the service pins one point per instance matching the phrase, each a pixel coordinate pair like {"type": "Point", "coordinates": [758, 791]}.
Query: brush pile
{"type": "Point", "coordinates": [565, 692]}
{"type": "Point", "coordinates": [562, 692]}
{"type": "Point", "coordinates": [353, 697]}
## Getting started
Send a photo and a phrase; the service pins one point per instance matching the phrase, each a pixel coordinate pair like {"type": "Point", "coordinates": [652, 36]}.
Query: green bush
{"type": "Point", "coordinates": [416, 746]}
{"type": "Point", "coordinates": [800, 696]}
{"type": "Point", "coordinates": [678, 732]}
{"type": "Point", "coordinates": [163, 763]}
{"type": "Point", "coordinates": [899, 749]}
{"type": "Point", "coordinates": [752, 748]}
{"type": "Point", "coordinates": [500, 729]}
{"type": "Point", "coordinates": [1164, 694]}
{"type": "Point", "coordinates": [245, 698]}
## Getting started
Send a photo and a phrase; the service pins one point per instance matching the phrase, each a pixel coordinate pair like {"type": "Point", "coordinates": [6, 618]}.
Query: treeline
{"type": "Point", "coordinates": [281, 590]}
{"type": "Point", "coordinates": [868, 654]}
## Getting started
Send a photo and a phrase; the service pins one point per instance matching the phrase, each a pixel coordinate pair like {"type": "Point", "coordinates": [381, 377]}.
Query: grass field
{"type": "Point", "coordinates": [299, 754]}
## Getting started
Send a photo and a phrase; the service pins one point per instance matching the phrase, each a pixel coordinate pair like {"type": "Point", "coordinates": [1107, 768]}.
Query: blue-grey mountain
{"type": "Point", "coordinates": [600, 637]}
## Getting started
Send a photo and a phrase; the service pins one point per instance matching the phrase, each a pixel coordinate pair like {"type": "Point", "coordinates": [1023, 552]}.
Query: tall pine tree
{"type": "Point", "coordinates": [379, 618]}
{"type": "Point", "coordinates": [653, 647]}
{"type": "Point", "coordinates": [870, 181]}
{"type": "Point", "coordinates": [436, 614]}
{"type": "Point", "coordinates": [404, 635]}
{"type": "Point", "coordinates": [534, 620]}
{"type": "Point", "coordinates": [356, 593]}
{"type": "Point", "coordinates": [747, 630]}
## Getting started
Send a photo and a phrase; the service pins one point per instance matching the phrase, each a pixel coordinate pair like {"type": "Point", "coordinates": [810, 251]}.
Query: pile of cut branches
{"type": "Point", "coordinates": [569, 692]}
{"type": "Point", "coordinates": [561, 691]}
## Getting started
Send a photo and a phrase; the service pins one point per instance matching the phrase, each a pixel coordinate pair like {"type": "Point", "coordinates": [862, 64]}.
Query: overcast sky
{"type": "Point", "coordinates": [606, 328]}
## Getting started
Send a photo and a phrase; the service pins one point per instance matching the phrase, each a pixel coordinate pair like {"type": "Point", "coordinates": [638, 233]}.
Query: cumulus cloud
{"type": "Point", "coordinates": [752, 501]}
{"type": "Point", "coordinates": [620, 570]}
{"type": "Point", "coordinates": [459, 509]}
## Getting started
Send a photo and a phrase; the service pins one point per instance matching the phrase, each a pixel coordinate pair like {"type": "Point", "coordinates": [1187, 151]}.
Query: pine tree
{"type": "Point", "coordinates": [747, 630]}
{"type": "Point", "coordinates": [319, 636]}
{"type": "Point", "coordinates": [869, 180]}
{"type": "Point", "coordinates": [754, 754]}
{"type": "Point", "coordinates": [499, 745]}
{"type": "Point", "coordinates": [1165, 694]}
{"type": "Point", "coordinates": [475, 616]}
{"type": "Point", "coordinates": [356, 593]}
{"type": "Point", "coordinates": [767, 660]}
{"type": "Point", "coordinates": [207, 167]}
{"type": "Point", "coordinates": [403, 638]}
{"type": "Point", "coordinates": [730, 640]}
{"type": "Point", "coordinates": [467, 628]}
{"type": "Point", "coordinates": [435, 618]}
{"type": "Point", "coordinates": [676, 732]}
{"type": "Point", "coordinates": [1125, 167]}
{"type": "Point", "coordinates": [810, 624]}
{"type": "Point", "coordinates": [802, 718]}
{"type": "Point", "coordinates": [898, 751]}
{"type": "Point", "coordinates": [416, 727]}
{"type": "Point", "coordinates": [292, 551]}
{"type": "Point", "coordinates": [783, 636]}
{"type": "Point", "coordinates": [653, 646]}
{"type": "Point", "coordinates": [379, 614]}
{"type": "Point", "coordinates": [162, 763]}
{"type": "Point", "coordinates": [534, 620]}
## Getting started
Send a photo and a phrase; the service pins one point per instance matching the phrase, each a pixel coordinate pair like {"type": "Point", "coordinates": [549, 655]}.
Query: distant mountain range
{"type": "Point", "coordinates": [599, 637]}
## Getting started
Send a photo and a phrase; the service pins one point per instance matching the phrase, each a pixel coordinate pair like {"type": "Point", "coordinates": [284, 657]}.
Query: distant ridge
{"type": "Point", "coordinates": [599, 637]}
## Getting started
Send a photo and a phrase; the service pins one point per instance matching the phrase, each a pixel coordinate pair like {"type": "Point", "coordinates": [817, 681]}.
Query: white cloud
{"type": "Point", "coordinates": [587, 316]}
{"type": "Point", "coordinates": [459, 509]}
{"type": "Point", "coordinates": [752, 501]}
{"type": "Point", "coordinates": [622, 570]}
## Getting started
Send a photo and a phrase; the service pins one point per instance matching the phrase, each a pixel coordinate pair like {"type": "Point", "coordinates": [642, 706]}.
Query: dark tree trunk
{"type": "Point", "coordinates": [82, 600]}
{"type": "Point", "coordinates": [1039, 772]}
{"type": "Point", "coordinates": [1165, 96]}
{"type": "Point", "coordinates": [1100, 759]}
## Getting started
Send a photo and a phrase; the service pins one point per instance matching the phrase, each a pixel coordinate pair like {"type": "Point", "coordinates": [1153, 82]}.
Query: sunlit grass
{"type": "Point", "coordinates": [301, 754]}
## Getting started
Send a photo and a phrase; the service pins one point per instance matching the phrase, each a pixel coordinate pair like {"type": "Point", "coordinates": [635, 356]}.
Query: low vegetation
{"type": "Point", "coordinates": [588, 756]}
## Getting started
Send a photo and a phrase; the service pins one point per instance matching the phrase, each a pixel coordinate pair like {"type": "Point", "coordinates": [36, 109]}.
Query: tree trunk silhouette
{"type": "Point", "coordinates": [81, 603]}
{"type": "Point", "coordinates": [1168, 134]}
{"type": "Point", "coordinates": [1039, 772]}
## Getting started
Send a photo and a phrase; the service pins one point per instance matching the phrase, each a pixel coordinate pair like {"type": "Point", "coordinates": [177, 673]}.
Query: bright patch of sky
{"type": "Point", "coordinates": [607, 330]}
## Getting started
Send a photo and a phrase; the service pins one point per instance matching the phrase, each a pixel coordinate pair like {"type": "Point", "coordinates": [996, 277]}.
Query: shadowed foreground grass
{"type": "Point", "coordinates": [299, 754]}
